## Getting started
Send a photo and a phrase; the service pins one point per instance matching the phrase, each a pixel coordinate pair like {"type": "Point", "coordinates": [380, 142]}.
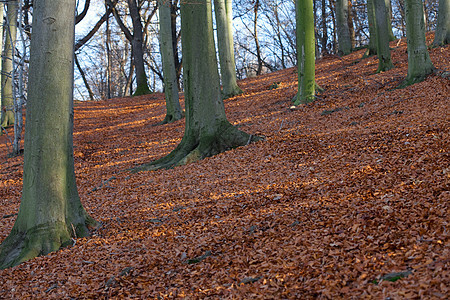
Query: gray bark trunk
{"type": "Point", "coordinates": [7, 64]}
{"type": "Point", "coordinates": [138, 51]}
{"type": "Point", "coordinates": [223, 12]}
{"type": "Point", "coordinates": [343, 32]}
{"type": "Point", "coordinates": [173, 107]}
{"type": "Point", "coordinates": [1, 63]}
{"type": "Point", "coordinates": [383, 51]}
{"type": "Point", "coordinates": [50, 213]}
{"type": "Point", "coordinates": [419, 62]}
{"type": "Point", "coordinates": [207, 130]}
{"type": "Point", "coordinates": [442, 34]}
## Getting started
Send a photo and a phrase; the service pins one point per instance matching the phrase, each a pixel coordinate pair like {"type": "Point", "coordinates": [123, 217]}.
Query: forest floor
{"type": "Point", "coordinates": [347, 197]}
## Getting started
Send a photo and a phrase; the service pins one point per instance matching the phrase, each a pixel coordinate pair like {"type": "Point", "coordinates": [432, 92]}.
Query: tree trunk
{"type": "Point", "coordinates": [372, 47]}
{"type": "Point", "coordinates": [50, 213]}
{"type": "Point", "coordinates": [207, 130]}
{"type": "Point", "coordinates": [388, 6]}
{"type": "Point", "coordinates": [383, 51]}
{"type": "Point", "coordinates": [419, 62]}
{"type": "Point", "coordinates": [255, 36]}
{"type": "Point", "coordinates": [343, 32]}
{"type": "Point", "coordinates": [173, 107]}
{"type": "Point", "coordinates": [305, 51]}
{"type": "Point", "coordinates": [138, 51]}
{"type": "Point", "coordinates": [442, 33]}
{"type": "Point", "coordinates": [351, 28]}
{"type": "Point", "coordinates": [85, 81]}
{"type": "Point", "coordinates": [7, 65]}
{"type": "Point", "coordinates": [2, 5]}
{"type": "Point", "coordinates": [324, 28]}
{"type": "Point", "coordinates": [223, 12]}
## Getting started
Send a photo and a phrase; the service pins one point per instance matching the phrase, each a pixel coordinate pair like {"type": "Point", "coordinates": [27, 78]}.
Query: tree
{"type": "Point", "coordinates": [305, 52]}
{"type": "Point", "coordinates": [1, 47]}
{"type": "Point", "coordinates": [173, 107]}
{"type": "Point", "coordinates": [136, 40]}
{"type": "Point", "coordinates": [223, 12]}
{"type": "Point", "coordinates": [343, 31]}
{"type": "Point", "coordinates": [382, 33]}
{"type": "Point", "coordinates": [419, 62]}
{"type": "Point", "coordinates": [50, 213]}
{"type": "Point", "coordinates": [207, 131]}
{"type": "Point", "coordinates": [7, 65]}
{"type": "Point", "coordinates": [442, 34]}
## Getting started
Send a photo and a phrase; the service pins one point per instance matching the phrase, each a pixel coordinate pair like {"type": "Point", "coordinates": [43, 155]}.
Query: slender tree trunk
{"type": "Point", "coordinates": [388, 6]}
{"type": "Point", "coordinates": [7, 64]}
{"type": "Point", "coordinates": [332, 4]}
{"type": "Point", "coordinates": [442, 33]}
{"type": "Point", "coordinates": [50, 213]}
{"type": "Point", "coordinates": [255, 36]}
{"type": "Point", "coordinates": [138, 51]}
{"type": "Point", "coordinates": [372, 47]}
{"type": "Point", "coordinates": [173, 107]}
{"type": "Point", "coordinates": [108, 60]}
{"type": "Point", "coordinates": [83, 76]}
{"type": "Point", "coordinates": [305, 51]}
{"type": "Point", "coordinates": [419, 62]}
{"type": "Point", "coordinates": [207, 130]}
{"type": "Point", "coordinates": [351, 28]}
{"type": "Point", "coordinates": [223, 12]}
{"type": "Point", "coordinates": [324, 28]}
{"type": "Point", "coordinates": [383, 51]}
{"type": "Point", "coordinates": [343, 32]}
{"type": "Point", "coordinates": [1, 63]}
{"type": "Point", "coordinates": [175, 40]}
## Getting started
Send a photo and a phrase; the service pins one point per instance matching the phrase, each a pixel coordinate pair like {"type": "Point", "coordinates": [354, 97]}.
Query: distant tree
{"type": "Point", "coordinates": [173, 108]}
{"type": "Point", "coordinates": [136, 40]}
{"type": "Point", "coordinates": [419, 62]}
{"type": "Point", "coordinates": [305, 52]}
{"type": "Point", "coordinates": [207, 131]}
{"type": "Point", "coordinates": [7, 64]}
{"type": "Point", "coordinates": [343, 31]}
{"type": "Point", "coordinates": [50, 213]}
{"type": "Point", "coordinates": [382, 33]}
{"type": "Point", "coordinates": [442, 34]}
{"type": "Point", "coordinates": [223, 13]}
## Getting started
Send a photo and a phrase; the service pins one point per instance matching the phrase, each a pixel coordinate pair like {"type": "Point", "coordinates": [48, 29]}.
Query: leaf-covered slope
{"type": "Point", "coordinates": [343, 195]}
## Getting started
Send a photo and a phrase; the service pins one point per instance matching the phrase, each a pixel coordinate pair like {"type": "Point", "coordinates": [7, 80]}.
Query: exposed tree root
{"type": "Point", "coordinates": [21, 246]}
{"type": "Point", "coordinates": [191, 149]}
{"type": "Point", "coordinates": [170, 118]}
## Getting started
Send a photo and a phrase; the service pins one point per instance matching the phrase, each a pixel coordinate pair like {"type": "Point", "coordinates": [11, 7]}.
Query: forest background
{"type": "Point", "coordinates": [412, 182]}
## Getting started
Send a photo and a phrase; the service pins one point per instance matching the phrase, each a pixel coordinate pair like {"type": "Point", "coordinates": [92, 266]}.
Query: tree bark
{"type": "Point", "coordinates": [173, 108]}
{"type": "Point", "coordinates": [50, 213]}
{"type": "Point", "coordinates": [442, 33]}
{"type": "Point", "coordinates": [138, 51]}
{"type": "Point", "coordinates": [255, 36]}
{"type": "Point", "coordinates": [343, 32]}
{"type": "Point", "coordinates": [305, 51]}
{"type": "Point", "coordinates": [223, 12]}
{"type": "Point", "coordinates": [419, 62]}
{"type": "Point", "coordinates": [2, 5]}
{"type": "Point", "coordinates": [7, 65]}
{"type": "Point", "coordinates": [207, 130]}
{"type": "Point", "coordinates": [383, 51]}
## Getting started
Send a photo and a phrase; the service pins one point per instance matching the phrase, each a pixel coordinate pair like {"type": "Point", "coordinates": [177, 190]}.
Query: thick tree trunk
{"type": "Point", "coordinates": [419, 62]}
{"type": "Point", "coordinates": [7, 65]}
{"type": "Point", "coordinates": [138, 51]}
{"type": "Point", "coordinates": [351, 28]}
{"type": "Point", "coordinates": [372, 47]}
{"type": "Point", "coordinates": [207, 130]}
{"type": "Point", "coordinates": [223, 12]}
{"type": "Point", "coordinates": [173, 107]}
{"type": "Point", "coordinates": [383, 51]}
{"type": "Point", "coordinates": [442, 34]}
{"type": "Point", "coordinates": [50, 213]}
{"type": "Point", "coordinates": [343, 32]}
{"type": "Point", "coordinates": [305, 51]}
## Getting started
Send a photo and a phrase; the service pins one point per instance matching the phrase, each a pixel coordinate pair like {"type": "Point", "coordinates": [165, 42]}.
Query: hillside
{"type": "Point", "coordinates": [342, 196]}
